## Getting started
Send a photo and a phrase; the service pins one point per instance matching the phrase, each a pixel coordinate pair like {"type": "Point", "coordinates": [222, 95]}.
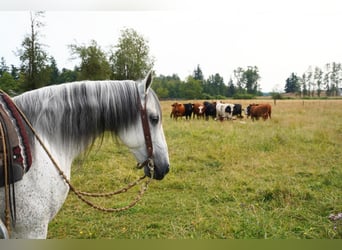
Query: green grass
{"type": "Point", "coordinates": [277, 179]}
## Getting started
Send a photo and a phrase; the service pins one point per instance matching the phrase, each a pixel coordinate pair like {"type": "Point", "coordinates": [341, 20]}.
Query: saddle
{"type": "Point", "coordinates": [15, 151]}
{"type": "Point", "coordinates": [15, 157]}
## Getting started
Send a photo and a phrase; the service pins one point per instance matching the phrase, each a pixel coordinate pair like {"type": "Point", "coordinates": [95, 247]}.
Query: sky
{"type": "Point", "coordinates": [279, 37]}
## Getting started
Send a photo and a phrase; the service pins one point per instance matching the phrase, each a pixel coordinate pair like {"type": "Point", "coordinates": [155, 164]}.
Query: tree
{"type": "Point", "coordinates": [303, 81]}
{"type": "Point", "coordinates": [198, 74]}
{"type": "Point", "coordinates": [250, 77]}
{"type": "Point", "coordinates": [8, 84]}
{"type": "Point", "coordinates": [160, 86]}
{"type": "Point", "coordinates": [214, 86]}
{"type": "Point", "coordinates": [94, 64]}
{"type": "Point", "coordinates": [68, 75]}
{"type": "Point", "coordinates": [238, 74]}
{"type": "Point", "coordinates": [231, 90]}
{"type": "Point", "coordinates": [131, 60]}
{"type": "Point", "coordinates": [3, 67]}
{"type": "Point", "coordinates": [292, 84]}
{"type": "Point", "coordinates": [32, 56]}
{"type": "Point", "coordinates": [15, 72]}
{"type": "Point", "coordinates": [173, 84]}
{"type": "Point", "coordinates": [191, 89]}
{"type": "Point", "coordinates": [54, 71]}
{"type": "Point", "coordinates": [335, 78]}
{"type": "Point", "coordinates": [318, 78]}
{"type": "Point", "coordinates": [310, 82]}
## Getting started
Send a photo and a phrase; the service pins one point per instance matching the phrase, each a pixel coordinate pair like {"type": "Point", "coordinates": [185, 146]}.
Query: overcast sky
{"type": "Point", "coordinates": [279, 37]}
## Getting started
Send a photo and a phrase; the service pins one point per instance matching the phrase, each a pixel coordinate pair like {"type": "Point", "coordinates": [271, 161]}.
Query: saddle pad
{"type": "Point", "coordinates": [18, 151]}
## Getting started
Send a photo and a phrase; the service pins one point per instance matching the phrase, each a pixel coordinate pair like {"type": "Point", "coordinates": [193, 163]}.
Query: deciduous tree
{"type": "Point", "coordinates": [94, 64]}
{"type": "Point", "coordinates": [131, 59]}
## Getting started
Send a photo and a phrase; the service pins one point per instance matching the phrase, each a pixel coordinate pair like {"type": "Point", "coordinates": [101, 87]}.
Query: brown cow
{"type": "Point", "coordinates": [179, 110]}
{"type": "Point", "coordinates": [198, 109]}
{"type": "Point", "coordinates": [259, 110]}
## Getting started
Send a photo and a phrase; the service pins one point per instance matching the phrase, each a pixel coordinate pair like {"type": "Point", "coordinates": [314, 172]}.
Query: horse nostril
{"type": "Point", "coordinates": [167, 169]}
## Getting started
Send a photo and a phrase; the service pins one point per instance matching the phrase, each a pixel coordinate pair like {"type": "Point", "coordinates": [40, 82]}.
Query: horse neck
{"type": "Point", "coordinates": [71, 116]}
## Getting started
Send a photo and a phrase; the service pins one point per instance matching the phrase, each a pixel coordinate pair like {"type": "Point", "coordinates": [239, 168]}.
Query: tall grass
{"type": "Point", "coordinates": [238, 179]}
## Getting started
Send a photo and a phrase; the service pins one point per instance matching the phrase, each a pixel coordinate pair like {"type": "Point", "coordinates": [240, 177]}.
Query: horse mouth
{"type": "Point", "coordinates": [158, 173]}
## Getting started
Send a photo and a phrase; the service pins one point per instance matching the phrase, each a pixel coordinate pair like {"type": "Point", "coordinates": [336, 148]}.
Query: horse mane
{"type": "Point", "coordinates": [75, 114]}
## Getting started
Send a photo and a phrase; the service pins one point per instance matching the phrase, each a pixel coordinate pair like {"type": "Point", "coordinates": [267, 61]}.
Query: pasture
{"type": "Point", "coordinates": [239, 179]}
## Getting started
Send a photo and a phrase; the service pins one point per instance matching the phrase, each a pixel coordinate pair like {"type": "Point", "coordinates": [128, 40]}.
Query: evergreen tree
{"type": "Point", "coordinates": [32, 55]}
{"type": "Point", "coordinates": [318, 77]}
{"type": "Point", "coordinates": [198, 74]}
{"type": "Point", "coordinates": [214, 86]}
{"type": "Point", "coordinates": [231, 90]}
{"type": "Point", "coordinates": [292, 84]}
{"type": "Point", "coordinates": [54, 71]}
{"type": "Point", "coordinates": [15, 72]}
{"type": "Point", "coordinates": [303, 81]}
{"type": "Point", "coordinates": [3, 66]}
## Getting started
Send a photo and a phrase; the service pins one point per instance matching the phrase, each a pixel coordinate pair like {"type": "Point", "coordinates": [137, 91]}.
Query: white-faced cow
{"type": "Point", "coordinates": [198, 110]}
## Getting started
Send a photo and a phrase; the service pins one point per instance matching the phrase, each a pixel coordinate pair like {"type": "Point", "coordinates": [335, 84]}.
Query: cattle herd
{"type": "Point", "coordinates": [219, 111]}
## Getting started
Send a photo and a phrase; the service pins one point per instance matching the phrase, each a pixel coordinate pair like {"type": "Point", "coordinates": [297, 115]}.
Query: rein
{"type": "Point", "coordinates": [80, 194]}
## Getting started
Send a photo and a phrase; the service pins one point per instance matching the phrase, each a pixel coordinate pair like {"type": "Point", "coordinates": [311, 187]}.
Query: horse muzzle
{"type": "Point", "coordinates": [157, 173]}
{"type": "Point", "coordinates": [154, 171]}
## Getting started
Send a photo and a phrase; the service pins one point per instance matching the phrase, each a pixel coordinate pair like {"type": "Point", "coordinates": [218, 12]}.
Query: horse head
{"type": "Point", "coordinates": [135, 136]}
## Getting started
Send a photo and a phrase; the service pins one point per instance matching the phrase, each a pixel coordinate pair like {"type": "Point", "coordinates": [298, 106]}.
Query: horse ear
{"type": "Point", "coordinates": [144, 85]}
{"type": "Point", "coordinates": [148, 80]}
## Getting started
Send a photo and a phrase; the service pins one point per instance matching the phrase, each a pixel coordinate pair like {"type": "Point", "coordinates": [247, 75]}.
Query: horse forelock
{"type": "Point", "coordinates": [74, 114]}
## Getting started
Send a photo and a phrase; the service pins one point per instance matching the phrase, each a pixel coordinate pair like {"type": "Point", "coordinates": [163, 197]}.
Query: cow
{"type": "Point", "coordinates": [224, 111]}
{"type": "Point", "coordinates": [259, 110]}
{"type": "Point", "coordinates": [188, 110]}
{"type": "Point", "coordinates": [237, 110]}
{"type": "Point", "coordinates": [210, 110]}
{"type": "Point", "coordinates": [180, 110]}
{"type": "Point", "coordinates": [198, 110]}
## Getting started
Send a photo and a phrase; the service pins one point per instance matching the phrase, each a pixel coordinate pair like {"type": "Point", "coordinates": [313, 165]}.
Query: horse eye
{"type": "Point", "coordinates": [154, 119]}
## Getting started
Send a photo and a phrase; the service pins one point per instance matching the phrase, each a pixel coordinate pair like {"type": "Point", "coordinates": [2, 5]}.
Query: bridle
{"type": "Point", "coordinates": [80, 194]}
{"type": "Point", "coordinates": [148, 140]}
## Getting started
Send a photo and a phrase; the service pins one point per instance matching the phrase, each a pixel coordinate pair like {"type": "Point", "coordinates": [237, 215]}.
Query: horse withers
{"type": "Point", "coordinates": [68, 118]}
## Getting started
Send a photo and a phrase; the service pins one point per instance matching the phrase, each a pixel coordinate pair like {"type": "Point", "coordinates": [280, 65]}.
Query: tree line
{"type": "Point", "coordinates": [316, 80]}
{"type": "Point", "coordinates": [244, 85]}
{"type": "Point", "coordinates": [128, 59]}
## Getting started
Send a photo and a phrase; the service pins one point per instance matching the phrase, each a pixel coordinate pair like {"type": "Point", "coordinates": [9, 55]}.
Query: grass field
{"type": "Point", "coordinates": [239, 179]}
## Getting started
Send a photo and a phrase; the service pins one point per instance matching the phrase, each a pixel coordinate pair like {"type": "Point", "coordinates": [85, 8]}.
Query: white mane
{"type": "Point", "coordinates": [74, 114]}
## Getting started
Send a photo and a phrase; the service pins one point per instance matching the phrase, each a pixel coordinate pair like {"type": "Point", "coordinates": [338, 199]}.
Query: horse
{"type": "Point", "coordinates": [68, 118]}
